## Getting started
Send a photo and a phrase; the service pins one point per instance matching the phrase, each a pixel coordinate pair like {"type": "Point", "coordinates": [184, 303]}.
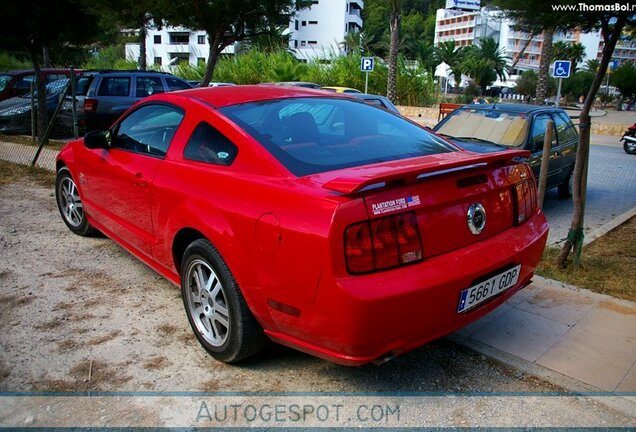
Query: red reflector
{"type": "Point", "coordinates": [525, 200]}
{"type": "Point", "coordinates": [382, 243]}
{"type": "Point", "coordinates": [90, 105]}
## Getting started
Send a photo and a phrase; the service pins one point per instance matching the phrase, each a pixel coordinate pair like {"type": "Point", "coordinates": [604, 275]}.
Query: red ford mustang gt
{"type": "Point", "coordinates": [314, 220]}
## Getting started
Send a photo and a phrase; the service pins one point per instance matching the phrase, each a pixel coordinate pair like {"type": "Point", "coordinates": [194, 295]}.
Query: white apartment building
{"type": "Point", "coordinates": [319, 31]}
{"type": "Point", "coordinates": [170, 46]}
{"type": "Point", "coordinates": [465, 22]}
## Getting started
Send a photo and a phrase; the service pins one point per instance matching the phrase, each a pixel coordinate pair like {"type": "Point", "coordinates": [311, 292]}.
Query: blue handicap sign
{"type": "Point", "coordinates": [366, 64]}
{"type": "Point", "coordinates": [561, 69]}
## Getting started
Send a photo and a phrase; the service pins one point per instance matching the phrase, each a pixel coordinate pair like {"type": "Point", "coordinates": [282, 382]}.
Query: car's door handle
{"type": "Point", "coordinates": [139, 180]}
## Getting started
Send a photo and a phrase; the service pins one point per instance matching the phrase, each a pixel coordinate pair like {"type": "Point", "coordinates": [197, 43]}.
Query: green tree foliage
{"type": "Point", "coordinates": [575, 52]}
{"type": "Point", "coordinates": [31, 26]}
{"type": "Point", "coordinates": [592, 65]}
{"type": "Point", "coordinates": [578, 84]}
{"type": "Point", "coordinates": [228, 21]}
{"type": "Point", "coordinates": [484, 63]}
{"type": "Point", "coordinates": [624, 78]}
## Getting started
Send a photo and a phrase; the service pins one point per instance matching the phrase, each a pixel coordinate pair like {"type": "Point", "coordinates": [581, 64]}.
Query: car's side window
{"type": "Point", "coordinates": [147, 86]}
{"type": "Point", "coordinates": [176, 84]}
{"type": "Point", "coordinates": [538, 131]}
{"type": "Point", "coordinates": [209, 145]}
{"type": "Point", "coordinates": [148, 130]}
{"type": "Point", "coordinates": [565, 129]}
{"type": "Point", "coordinates": [114, 86]}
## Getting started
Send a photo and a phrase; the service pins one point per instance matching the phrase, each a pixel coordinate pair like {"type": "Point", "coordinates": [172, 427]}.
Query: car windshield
{"type": "Point", "coordinates": [505, 128]}
{"type": "Point", "coordinates": [52, 88]}
{"type": "Point", "coordinates": [312, 135]}
{"type": "Point", "coordinates": [4, 80]}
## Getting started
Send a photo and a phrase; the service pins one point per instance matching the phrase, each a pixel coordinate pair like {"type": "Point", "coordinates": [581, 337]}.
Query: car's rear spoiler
{"type": "Point", "coordinates": [411, 170]}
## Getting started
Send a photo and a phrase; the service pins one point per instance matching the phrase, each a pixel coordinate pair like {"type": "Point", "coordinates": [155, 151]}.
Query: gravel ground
{"type": "Point", "coordinates": [74, 308]}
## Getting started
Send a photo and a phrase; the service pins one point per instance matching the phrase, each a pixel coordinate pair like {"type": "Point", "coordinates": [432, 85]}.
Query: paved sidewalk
{"type": "Point", "coordinates": [582, 335]}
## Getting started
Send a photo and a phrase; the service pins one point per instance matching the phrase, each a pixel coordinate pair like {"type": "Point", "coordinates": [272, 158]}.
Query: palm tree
{"type": "Point", "coordinates": [592, 65]}
{"type": "Point", "coordinates": [485, 62]}
{"type": "Point", "coordinates": [452, 55]}
{"type": "Point", "coordinates": [396, 6]}
{"type": "Point", "coordinates": [576, 53]}
{"type": "Point", "coordinates": [425, 54]}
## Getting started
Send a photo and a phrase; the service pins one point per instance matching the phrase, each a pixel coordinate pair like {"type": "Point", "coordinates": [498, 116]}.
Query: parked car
{"type": "Point", "coordinates": [108, 94]}
{"type": "Point", "coordinates": [341, 89]}
{"type": "Point", "coordinates": [495, 127]}
{"type": "Point", "coordinates": [381, 101]}
{"type": "Point", "coordinates": [18, 82]}
{"type": "Point", "coordinates": [15, 113]}
{"type": "Point", "coordinates": [297, 84]}
{"type": "Point", "coordinates": [354, 243]}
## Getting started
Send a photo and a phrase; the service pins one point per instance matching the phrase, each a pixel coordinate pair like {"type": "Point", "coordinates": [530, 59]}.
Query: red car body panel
{"type": "Point", "coordinates": [282, 236]}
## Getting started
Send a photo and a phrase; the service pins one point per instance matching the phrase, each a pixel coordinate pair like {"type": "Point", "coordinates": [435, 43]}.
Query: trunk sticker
{"type": "Point", "coordinates": [394, 205]}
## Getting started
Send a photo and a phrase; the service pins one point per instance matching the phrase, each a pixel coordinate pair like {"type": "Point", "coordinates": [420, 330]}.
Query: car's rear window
{"type": "Point", "coordinates": [82, 83]}
{"type": "Point", "coordinates": [499, 127]}
{"type": "Point", "coordinates": [312, 135]}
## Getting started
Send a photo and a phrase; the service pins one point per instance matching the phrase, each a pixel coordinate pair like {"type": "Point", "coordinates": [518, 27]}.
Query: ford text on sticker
{"type": "Point", "coordinates": [395, 205]}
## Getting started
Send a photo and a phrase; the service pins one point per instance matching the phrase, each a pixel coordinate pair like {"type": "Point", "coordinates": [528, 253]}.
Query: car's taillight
{"type": "Point", "coordinates": [382, 243]}
{"type": "Point", "coordinates": [525, 200]}
{"type": "Point", "coordinates": [90, 105]}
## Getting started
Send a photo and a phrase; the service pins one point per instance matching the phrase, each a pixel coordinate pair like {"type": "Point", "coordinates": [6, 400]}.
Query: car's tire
{"type": "Point", "coordinates": [565, 188]}
{"type": "Point", "coordinates": [70, 204]}
{"type": "Point", "coordinates": [214, 304]}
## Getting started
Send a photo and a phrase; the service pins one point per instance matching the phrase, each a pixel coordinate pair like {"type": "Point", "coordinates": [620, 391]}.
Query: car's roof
{"type": "Point", "coordinates": [516, 108]}
{"type": "Point", "coordinates": [234, 95]}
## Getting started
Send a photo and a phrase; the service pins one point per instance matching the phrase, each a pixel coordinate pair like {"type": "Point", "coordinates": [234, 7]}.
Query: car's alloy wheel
{"type": "Point", "coordinates": [206, 303]}
{"type": "Point", "coordinates": [214, 304]}
{"type": "Point", "coordinates": [70, 204]}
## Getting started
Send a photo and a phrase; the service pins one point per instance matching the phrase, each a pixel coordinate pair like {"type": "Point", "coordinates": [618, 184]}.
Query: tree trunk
{"type": "Point", "coordinates": [143, 32]}
{"type": "Point", "coordinates": [46, 58]}
{"type": "Point", "coordinates": [544, 65]}
{"type": "Point", "coordinates": [579, 187]}
{"type": "Point", "coordinates": [40, 87]}
{"type": "Point", "coordinates": [393, 51]}
{"type": "Point", "coordinates": [215, 40]}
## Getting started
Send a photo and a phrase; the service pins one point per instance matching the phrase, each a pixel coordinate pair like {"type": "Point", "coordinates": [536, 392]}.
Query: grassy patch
{"type": "Point", "coordinates": [56, 144]}
{"type": "Point", "coordinates": [11, 173]}
{"type": "Point", "coordinates": [608, 264]}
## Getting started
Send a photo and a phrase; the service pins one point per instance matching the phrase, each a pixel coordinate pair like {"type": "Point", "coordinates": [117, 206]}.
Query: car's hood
{"type": "Point", "coordinates": [477, 146]}
{"type": "Point", "coordinates": [12, 105]}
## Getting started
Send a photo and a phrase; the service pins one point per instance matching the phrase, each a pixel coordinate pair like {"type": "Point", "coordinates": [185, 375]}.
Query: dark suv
{"type": "Point", "coordinates": [102, 96]}
{"type": "Point", "coordinates": [493, 127]}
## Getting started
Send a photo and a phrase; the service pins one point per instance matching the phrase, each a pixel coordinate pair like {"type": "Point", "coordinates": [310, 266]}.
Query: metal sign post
{"type": "Point", "coordinates": [561, 70]}
{"type": "Point", "coordinates": [366, 66]}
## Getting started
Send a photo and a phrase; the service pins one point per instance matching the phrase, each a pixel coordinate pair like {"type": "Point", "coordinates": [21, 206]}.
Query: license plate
{"type": "Point", "coordinates": [477, 294]}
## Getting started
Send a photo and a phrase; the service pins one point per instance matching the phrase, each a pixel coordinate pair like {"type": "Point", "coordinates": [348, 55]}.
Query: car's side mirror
{"type": "Point", "coordinates": [97, 140]}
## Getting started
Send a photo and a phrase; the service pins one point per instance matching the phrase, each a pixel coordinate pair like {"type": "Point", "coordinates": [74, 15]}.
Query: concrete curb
{"type": "Point", "coordinates": [604, 229]}
{"type": "Point", "coordinates": [623, 404]}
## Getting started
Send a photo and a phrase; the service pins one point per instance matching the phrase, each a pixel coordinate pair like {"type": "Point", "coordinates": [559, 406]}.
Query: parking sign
{"type": "Point", "coordinates": [366, 64]}
{"type": "Point", "coordinates": [561, 69]}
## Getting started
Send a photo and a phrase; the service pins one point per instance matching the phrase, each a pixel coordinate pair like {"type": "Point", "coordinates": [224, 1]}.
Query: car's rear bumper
{"type": "Point", "coordinates": [359, 319]}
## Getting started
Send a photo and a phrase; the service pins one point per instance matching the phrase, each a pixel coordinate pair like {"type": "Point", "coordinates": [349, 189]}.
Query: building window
{"type": "Point", "coordinates": [201, 39]}
{"type": "Point", "coordinates": [303, 43]}
{"type": "Point", "coordinates": [158, 61]}
{"type": "Point", "coordinates": [312, 42]}
{"type": "Point", "coordinates": [296, 24]}
{"type": "Point", "coordinates": [315, 2]}
{"type": "Point", "coordinates": [304, 23]}
{"type": "Point", "coordinates": [313, 22]}
{"type": "Point", "coordinates": [157, 39]}
{"type": "Point", "coordinates": [295, 43]}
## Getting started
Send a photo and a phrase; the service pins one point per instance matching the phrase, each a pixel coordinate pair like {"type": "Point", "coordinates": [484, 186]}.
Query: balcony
{"type": "Point", "coordinates": [354, 17]}
{"type": "Point", "coordinates": [356, 4]}
{"type": "Point", "coordinates": [459, 25]}
{"type": "Point", "coordinates": [178, 48]}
